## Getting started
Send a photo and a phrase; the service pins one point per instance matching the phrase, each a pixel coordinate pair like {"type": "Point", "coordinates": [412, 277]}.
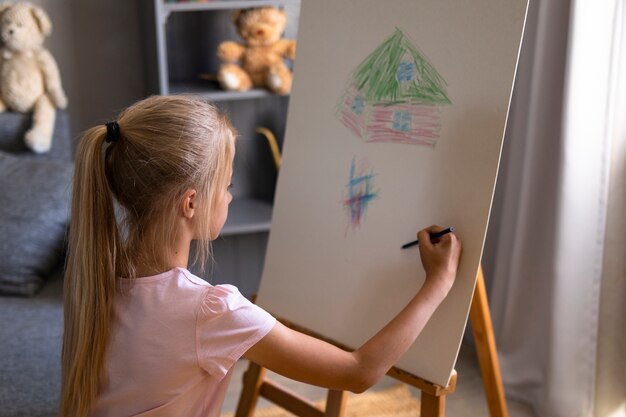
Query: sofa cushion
{"type": "Point", "coordinates": [35, 196]}
{"type": "Point", "coordinates": [14, 125]}
{"type": "Point", "coordinates": [31, 330]}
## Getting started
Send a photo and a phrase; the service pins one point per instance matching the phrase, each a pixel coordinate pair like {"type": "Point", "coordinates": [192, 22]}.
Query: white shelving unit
{"type": "Point", "coordinates": [181, 42]}
{"type": "Point", "coordinates": [169, 7]}
{"type": "Point", "coordinates": [211, 91]}
{"type": "Point", "coordinates": [163, 10]}
{"type": "Point", "coordinates": [248, 214]}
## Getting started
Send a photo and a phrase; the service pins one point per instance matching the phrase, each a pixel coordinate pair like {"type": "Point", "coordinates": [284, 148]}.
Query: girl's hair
{"type": "Point", "coordinates": [167, 145]}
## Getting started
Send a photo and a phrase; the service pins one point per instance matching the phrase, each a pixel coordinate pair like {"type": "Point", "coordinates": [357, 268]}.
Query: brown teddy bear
{"type": "Point", "coordinates": [29, 76]}
{"type": "Point", "coordinates": [262, 55]}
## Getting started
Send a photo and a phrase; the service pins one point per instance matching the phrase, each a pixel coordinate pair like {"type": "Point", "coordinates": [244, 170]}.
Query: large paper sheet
{"type": "Point", "coordinates": [396, 122]}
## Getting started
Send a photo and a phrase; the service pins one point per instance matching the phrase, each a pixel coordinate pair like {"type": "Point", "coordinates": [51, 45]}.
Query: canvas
{"type": "Point", "coordinates": [396, 122]}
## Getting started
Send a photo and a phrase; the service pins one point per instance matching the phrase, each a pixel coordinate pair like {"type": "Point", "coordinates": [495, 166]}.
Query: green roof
{"type": "Point", "coordinates": [377, 78]}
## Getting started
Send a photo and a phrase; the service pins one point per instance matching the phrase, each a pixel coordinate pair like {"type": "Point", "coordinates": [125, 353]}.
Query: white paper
{"type": "Point", "coordinates": [336, 268]}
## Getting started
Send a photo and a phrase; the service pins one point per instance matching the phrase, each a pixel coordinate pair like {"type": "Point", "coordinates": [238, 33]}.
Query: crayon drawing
{"type": "Point", "coordinates": [360, 191]}
{"type": "Point", "coordinates": [394, 96]}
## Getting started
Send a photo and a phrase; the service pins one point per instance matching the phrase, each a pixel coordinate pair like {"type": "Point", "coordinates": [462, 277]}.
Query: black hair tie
{"type": "Point", "coordinates": [113, 132]}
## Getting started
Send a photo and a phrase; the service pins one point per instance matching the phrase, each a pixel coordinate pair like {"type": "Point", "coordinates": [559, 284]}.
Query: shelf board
{"type": "Point", "coordinates": [211, 91]}
{"type": "Point", "coordinates": [248, 215]}
{"type": "Point", "coordinates": [223, 5]}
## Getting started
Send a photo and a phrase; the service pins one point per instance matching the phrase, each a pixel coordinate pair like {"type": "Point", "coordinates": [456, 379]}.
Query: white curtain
{"type": "Point", "coordinates": [611, 358]}
{"type": "Point", "coordinates": [545, 249]}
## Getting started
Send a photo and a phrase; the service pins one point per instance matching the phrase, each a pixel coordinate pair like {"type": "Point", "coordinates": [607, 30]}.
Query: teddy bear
{"type": "Point", "coordinates": [262, 55]}
{"type": "Point", "coordinates": [29, 76]}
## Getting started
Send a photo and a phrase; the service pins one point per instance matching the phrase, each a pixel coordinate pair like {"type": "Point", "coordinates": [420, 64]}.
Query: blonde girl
{"type": "Point", "coordinates": [145, 337]}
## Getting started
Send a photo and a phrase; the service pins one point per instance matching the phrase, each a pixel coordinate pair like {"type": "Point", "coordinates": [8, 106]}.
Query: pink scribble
{"type": "Point", "coordinates": [360, 191]}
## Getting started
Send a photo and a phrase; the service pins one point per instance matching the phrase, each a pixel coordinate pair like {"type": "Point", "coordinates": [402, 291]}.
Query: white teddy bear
{"type": "Point", "coordinates": [29, 76]}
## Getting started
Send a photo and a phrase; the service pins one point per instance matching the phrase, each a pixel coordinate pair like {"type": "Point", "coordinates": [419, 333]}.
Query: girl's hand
{"type": "Point", "coordinates": [440, 258]}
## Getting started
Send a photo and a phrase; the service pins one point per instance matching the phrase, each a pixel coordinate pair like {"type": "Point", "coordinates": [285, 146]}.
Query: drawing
{"type": "Point", "coordinates": [394, 96]}
{"type": "Point", "coordinates": [361, 191]}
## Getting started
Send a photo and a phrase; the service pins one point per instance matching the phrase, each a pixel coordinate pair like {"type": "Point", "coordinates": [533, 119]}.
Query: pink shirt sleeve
{"type": "Point", "coordinates": [227, 325]}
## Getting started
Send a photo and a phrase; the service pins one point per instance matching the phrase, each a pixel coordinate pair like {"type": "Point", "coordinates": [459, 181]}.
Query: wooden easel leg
{"type": "Point", "coordinates": [252, 380]}
{"type": "Point", "coordinates": [336, 402]}
{"type": "Point", "coordinates": [432, 405]}
{"type": "Point", "coordinates": [486, 349]}
{"type": "Point", "coordinates": [255, 385]}
{"type": "Point", "coordinates": [433, 397]}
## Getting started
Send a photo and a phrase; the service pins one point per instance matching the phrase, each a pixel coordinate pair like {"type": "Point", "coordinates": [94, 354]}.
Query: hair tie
{"type": "Point", "coordinates": [113, 132]}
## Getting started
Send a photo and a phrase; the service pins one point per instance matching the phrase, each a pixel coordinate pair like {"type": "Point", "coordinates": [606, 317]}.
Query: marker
{"type": "Point", "coordinates": [432, 236]}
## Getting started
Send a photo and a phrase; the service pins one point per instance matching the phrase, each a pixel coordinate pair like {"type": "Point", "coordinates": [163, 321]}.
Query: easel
{"type": "Point", "coordinates": [255, 385]}
{"type": "Point", "coordinates": [433, 396]}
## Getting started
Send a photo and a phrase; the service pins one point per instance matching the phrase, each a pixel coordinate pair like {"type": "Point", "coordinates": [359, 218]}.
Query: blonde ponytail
{"type": "Point", "coordinates": [89, 285]}
{"type": "Point", "coordinates": [167, 144]}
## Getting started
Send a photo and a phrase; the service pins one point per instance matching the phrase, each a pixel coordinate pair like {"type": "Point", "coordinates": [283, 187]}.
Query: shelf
{"type": "Point", "coordinates": [211, 91]}
{"type": "Point", "coordinates": [223, 5]}
{"type": "Point", "coordinates": [248, 215]}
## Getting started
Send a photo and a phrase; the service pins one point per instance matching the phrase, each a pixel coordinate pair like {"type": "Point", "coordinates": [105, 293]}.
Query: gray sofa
{"type": "Point", "coordinates": [31, 326]}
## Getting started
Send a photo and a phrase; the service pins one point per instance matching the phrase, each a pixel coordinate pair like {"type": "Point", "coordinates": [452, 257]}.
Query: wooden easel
{"type": "Point", "coordinates": [433, 396]}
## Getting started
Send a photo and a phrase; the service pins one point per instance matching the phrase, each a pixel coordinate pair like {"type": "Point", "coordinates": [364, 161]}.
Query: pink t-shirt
{"type": "Point", "coordinates": [173, 341]}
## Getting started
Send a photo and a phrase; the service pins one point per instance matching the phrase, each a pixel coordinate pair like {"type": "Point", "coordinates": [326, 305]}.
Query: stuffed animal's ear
{"type": "Point", "coordinates": [4, 6]}
{"type": "Point", "coordinates": [236, 16]}
{"type": "Point", "coordinates": [42, 19]}
{"type": "Point", "coordinates": [239, 14]}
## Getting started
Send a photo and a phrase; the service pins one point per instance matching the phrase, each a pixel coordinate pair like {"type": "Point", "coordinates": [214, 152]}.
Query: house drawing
{"type": "Point", "coordinates": [395, 96]}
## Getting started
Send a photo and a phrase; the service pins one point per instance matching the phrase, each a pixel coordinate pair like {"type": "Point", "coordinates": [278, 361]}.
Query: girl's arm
{"type": "Point", "coordinates": [310, 360]}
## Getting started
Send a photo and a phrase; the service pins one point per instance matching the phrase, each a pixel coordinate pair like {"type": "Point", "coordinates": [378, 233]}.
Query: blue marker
{"type": "Point", "coordinates": [432, 236]}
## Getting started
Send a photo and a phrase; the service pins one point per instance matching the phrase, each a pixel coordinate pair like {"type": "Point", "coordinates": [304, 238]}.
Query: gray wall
{"type": "Point", "coordinates": [97, 45]}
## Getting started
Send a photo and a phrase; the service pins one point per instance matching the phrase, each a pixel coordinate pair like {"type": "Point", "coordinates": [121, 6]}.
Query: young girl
{"type": "Point", "coordinates": [143, 336]}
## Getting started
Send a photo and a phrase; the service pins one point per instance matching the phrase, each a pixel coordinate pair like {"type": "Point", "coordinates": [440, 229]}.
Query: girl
{"type": "Point", "coordinates": [143, 336]}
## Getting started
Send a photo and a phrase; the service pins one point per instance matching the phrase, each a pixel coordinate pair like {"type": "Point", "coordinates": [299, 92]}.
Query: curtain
{"type": "Point", "coordinates": [545, 249]}
{"type": "Point", "coordinates": [611, 355]}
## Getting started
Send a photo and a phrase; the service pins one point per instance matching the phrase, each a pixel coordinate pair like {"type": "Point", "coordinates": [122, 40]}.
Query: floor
{"type": "Point", "coordinates": [467, 401]}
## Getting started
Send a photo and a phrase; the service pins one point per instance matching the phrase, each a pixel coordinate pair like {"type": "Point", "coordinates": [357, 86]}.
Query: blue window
{"type": "Point", "coordinates": [402, 121]}
{"type": "Point", "coordinates": [358, 105]}
{"type": "Point", "coordinates": [405, 71]}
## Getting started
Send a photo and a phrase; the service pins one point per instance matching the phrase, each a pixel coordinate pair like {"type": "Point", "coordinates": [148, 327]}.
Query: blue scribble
{"type": "Point", "coordinates": [405, 71]}
{"type": "Point", "coordinates": [360, 193]}
{"type": "Point", "coordinates": [358, 105]}
{"type": "Point", "coordinates": [402, 121]}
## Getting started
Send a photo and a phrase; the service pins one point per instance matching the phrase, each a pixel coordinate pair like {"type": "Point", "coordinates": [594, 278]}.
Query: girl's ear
{"type": "Point", "coordinates": [188, 204]}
